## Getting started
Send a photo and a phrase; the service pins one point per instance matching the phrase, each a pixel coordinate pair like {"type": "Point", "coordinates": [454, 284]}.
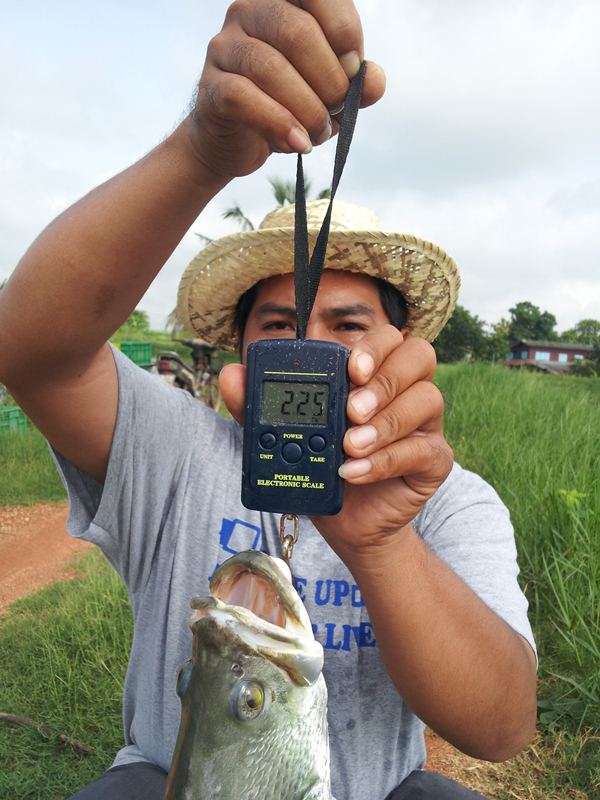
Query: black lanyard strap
{"type": "Point", "coordinates": [307, 274]}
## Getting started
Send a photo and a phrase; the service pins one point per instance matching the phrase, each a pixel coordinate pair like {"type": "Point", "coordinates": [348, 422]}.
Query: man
{"type": "Point", "coordinates": [153, 476]}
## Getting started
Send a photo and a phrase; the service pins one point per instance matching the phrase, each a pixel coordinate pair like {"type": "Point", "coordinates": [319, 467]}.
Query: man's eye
{"type": "Point", "coordinates": [278, 325]}
{"type": "Point", "coordinates": [350, 326]}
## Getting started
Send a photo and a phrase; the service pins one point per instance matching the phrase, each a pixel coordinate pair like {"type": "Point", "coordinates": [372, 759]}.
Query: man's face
{"type": "Point", "coordinates": [347, 306]}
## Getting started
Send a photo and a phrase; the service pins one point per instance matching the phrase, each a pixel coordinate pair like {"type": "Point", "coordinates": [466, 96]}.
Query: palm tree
{"type": "Point", "coordinates": [284, 193]}
{"type": "Point", "coordinates": [236, 213]}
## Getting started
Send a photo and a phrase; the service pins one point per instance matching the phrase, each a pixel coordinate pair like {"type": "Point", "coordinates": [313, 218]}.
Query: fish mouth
{"type": "Point", "coordinates": [252, 597]}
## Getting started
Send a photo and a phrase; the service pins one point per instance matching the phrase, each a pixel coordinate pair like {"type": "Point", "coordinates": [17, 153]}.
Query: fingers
{"type": "Point", "coordinates": [415, 456]}
{"type": "Point", "coordinates": [342, 28]}
{"type": "Point", "coordinates": [382, 366]}
{"type": "Point", "coordinates": [298, 36]}
{"type": "Point", "coordinates": [341, 25]}
{"type": "Point", "coordinates": [274, 93]}
{"type": "Point", "coordinates": [397, 412]}
{"type": "Point", "coordinates": [233, 97]}
{"type": "Point", "coordinates": [281, 69]}
{"type": "Point", "coordinates": [419, 408]}
{"type": "Point", "coordinates": [395, 441]}
{"type": "Point", "coordinates": [232, 384]}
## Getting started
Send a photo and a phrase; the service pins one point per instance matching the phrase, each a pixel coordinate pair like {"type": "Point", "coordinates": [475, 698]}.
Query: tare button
{"type": "Point", "coordinates": [317, 444]}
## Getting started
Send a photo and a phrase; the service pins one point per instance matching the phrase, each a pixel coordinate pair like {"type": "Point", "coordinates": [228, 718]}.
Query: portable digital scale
{"type": "Point", "coordinates": [295, 420]}
{"type": "Point", "coordinates": [296, 390]}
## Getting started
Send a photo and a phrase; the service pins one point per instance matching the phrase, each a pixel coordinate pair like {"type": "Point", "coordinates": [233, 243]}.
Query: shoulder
{"type": "Point", "coordinates": [462, 488]}
{"type": "Point", "coordinates": [465, 499]}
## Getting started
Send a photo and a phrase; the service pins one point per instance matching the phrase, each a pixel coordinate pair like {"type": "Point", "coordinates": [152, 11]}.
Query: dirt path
{"type": "Point", "coordinates": [35, 549]}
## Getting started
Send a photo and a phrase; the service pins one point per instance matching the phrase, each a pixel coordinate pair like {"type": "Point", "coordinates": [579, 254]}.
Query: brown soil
{"type": "Point", "coordinates": [35, 549]}
{"type": "Point", "coordinates": [482, 776]}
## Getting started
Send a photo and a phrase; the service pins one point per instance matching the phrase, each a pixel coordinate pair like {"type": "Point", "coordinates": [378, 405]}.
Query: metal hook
{"type": "Point", "coordinates": [288, 540]}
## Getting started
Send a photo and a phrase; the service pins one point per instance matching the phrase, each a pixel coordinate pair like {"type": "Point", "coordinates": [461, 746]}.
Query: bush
{"type": "Point", "coordinates": [583, 369]}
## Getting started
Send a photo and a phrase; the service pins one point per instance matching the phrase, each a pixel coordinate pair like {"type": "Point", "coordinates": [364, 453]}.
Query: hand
{"type": "Point", "coordinates": [273, 78]}
{"type": "Point", "coordinates": [407, 459]}
{"type": "Point", "coordinates": [397, 454]}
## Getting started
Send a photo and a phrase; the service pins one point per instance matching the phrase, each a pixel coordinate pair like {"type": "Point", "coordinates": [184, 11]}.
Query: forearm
{"type": "Point", "coordinates": [87, 271]}
{"type": "Point", "coordinates": [460, 667]}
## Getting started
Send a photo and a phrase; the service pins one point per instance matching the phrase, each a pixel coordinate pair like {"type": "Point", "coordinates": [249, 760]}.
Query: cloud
{"type": "Point", "coordinates": [486, 141]}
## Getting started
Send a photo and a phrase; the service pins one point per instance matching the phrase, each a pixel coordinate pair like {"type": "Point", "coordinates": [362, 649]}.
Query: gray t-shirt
{"type": "Point", "coordinates": [169, 512]}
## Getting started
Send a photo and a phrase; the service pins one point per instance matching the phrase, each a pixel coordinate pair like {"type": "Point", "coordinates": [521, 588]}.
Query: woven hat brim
{"type": "Point", "coordinates": [213, 282]}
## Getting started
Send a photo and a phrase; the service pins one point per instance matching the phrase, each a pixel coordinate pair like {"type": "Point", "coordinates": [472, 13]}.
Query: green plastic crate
{"type": "Point", "coordinates": [139, 352]}
{"type": "Point", "coordinates": [12, 419]}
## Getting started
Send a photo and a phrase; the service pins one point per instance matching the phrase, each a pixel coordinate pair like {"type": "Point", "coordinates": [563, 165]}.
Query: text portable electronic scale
{"type": "Point", "coordinates": [296, 389]}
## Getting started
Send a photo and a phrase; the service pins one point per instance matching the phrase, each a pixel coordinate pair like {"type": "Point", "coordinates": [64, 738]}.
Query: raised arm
{"type": "Point", "coordinates": [270, 79]}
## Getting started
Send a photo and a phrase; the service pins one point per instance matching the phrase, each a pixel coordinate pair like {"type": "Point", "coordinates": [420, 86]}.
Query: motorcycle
{"type": "Point", "coordinates": [200, 378]}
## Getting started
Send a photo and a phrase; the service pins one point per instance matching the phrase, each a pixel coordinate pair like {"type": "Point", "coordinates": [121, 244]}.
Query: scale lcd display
{"type": "Point", "coordinates": [294, 403]}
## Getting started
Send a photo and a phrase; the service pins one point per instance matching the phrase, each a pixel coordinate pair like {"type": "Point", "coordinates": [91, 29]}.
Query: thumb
{"type": "Point", "coordinates": [232, 383]}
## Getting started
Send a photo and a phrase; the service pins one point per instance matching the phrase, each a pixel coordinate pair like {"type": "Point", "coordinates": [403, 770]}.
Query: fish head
{"type": "Point", "coordinates": [253, 695]}
{"type": "Point", "coordinates": [253, 603]}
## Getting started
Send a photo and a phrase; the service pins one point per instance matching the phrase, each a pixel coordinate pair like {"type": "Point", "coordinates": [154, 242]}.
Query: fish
{"type": "Point", "coordinates": [253, 697]}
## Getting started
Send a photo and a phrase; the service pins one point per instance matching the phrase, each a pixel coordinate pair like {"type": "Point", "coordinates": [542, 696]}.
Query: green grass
{"type": "Point", "coordinates": [27, 470]}
{"type": "Point", "coordinates": [536, 438]}
{"type": "Point", "coordinates": [63, 655]}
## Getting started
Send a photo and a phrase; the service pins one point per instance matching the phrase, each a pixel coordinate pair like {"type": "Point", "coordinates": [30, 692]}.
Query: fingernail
{"type": "Point", "coordinates": [363, 436]}
{"type": "Point", "coordinates": [326, 135]}
{"type": "Point", "coordinates": [364, 402]}
{"type": "Point", "coordinates": [299, 141]}
{"type": "Point", "coordinates": [337, 110]}
{"type": "Point", "coordinates": [355, 469]}
{"type": "Point", "coordinates": [365, 363]}
{"type": "Point", "coordinates": [350, 63]}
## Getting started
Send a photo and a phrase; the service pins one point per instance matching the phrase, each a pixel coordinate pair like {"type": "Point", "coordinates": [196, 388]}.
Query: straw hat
{"type": "Point", "coordinates": [216, 278]}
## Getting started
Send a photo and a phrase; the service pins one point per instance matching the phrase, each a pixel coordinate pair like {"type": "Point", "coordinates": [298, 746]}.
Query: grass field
{"type": "Point", "coordinates": [27, 472]}
{"type": "Point", "coordinates": [63, 654]}
{"type": "Point", "coordinates": [536, 438]}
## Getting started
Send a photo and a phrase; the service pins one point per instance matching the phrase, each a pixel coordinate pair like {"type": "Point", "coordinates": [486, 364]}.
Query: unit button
{"type": "Point", "coordinates": [268, 441]}
{"type": "Point", "coordinates": [317, 444]}
{"type": "Point", "coordinates": [291, 452]}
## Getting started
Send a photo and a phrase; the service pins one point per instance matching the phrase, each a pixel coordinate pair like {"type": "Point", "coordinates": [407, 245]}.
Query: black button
{"type": "Point", "coordinates": [317, 443]}
{"type": "Point", "coordinates": [268, 441]}
{"type": "Point", "coordinates": [291, 452]}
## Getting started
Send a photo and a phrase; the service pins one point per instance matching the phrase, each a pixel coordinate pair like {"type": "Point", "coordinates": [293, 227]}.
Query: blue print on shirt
{"type": "Point", "coordinates": [237, 535]}
{"type": "Point", "coordinates": [337, 593]}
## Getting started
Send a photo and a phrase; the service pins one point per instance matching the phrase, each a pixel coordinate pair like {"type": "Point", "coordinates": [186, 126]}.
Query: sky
{"type": "Point", "coordinates": [487, 141]}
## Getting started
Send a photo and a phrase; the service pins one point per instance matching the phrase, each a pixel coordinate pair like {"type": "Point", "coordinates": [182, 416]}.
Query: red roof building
{"type": "Point", "coordinates": [553, 357]}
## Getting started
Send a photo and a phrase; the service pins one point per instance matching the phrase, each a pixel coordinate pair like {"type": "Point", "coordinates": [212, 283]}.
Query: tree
{"type": "Point", "coordinates": [463, 337]}
{"type": "Point", "coordinates": [137, 322]}
{"type": "Point", "coordinates": [595, 359]}
{"type": "Point", "coordinates": [528, 322]}
{"type": "Point", "coordinates": [235, 213]}
{"type": "Point", "coordinates": [497, 342]}
{"type": "Point", "coordinates": [584, 368]}
{"type": "Point", "coordinates": [284, 193]}
{"type": "Point", "coordinates": [587, 331]}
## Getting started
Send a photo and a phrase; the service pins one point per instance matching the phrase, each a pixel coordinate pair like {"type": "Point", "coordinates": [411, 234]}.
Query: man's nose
{"type": "Point", "coordinates": [316, 329]}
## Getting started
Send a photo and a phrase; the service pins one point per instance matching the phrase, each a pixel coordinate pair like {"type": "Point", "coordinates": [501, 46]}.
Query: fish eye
{"type": "Point", "coordinates": [247, 700]}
